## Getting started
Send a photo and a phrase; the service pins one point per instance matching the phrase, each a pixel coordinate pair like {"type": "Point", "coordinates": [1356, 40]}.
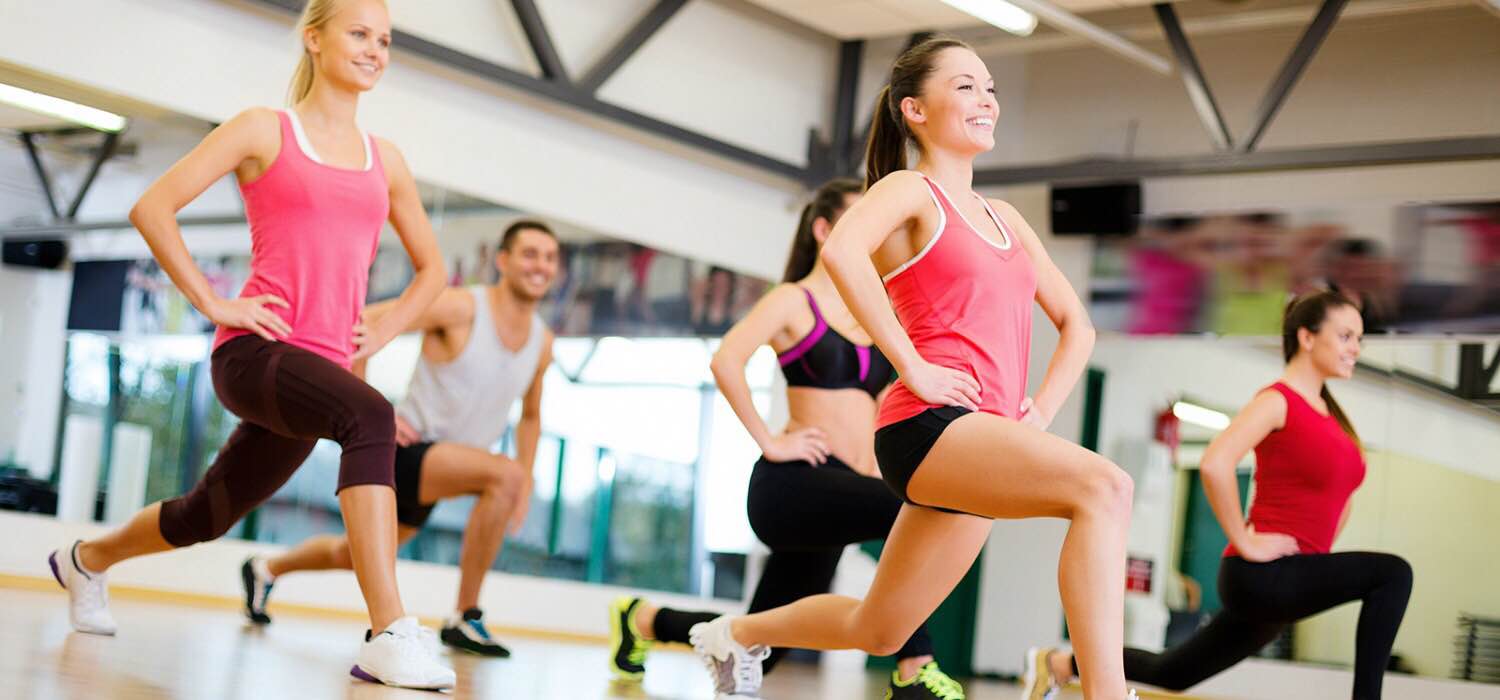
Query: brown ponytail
{"type": "Point", "coordinates": [827, 203]}
{"type": "Point", "coordinates": [885, 152]}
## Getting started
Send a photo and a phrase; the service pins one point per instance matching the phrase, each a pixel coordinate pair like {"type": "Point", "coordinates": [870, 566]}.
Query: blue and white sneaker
{"type": "Point", "coordinates": [257, 581]}
{"type": "Point", "coordinates": [467, 632]}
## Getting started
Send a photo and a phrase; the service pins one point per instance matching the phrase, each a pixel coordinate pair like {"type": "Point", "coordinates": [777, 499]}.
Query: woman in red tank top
{"type": "Point", "coordinates": [316, 199]}
{"type": "Point", "coordinates": [958, 438]}
{"type": "Point", "coordinates": [1277, 568]}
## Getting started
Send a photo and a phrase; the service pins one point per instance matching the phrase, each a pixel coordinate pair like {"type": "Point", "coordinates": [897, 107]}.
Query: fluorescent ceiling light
{"type": "Point", "coordinates": [1001, 14]}
{"type": "Point", "coordinates": [62, 109]}
{"type": "Point", "coordinates": [1198, 415]}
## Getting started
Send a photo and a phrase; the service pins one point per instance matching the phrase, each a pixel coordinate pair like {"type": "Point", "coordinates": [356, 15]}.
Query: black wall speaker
{"type": "Point", "coordinates": [1099, 210]}
{"type": "Point", "coordinates": [48, 254]}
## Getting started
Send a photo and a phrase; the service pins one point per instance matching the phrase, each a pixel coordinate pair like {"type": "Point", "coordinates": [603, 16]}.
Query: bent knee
{"type": "Point", "coordinates": [1397, 570]}
{"type": "Point", "coordinates": [501, 477]}
{"type": "Point", "coordinates": [371, 420]}
{"type": "Point", "coordinates": [880, 637]}
{"type": "Point", "coordinates": [342, 557]}
{"type": "Point", "coordinates": [1108, 491]}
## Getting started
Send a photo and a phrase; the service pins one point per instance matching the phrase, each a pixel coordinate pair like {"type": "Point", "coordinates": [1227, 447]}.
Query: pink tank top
{"type": "Point", "coordinates": [965, 302]}
{"type": "Point", "coordinates": [314, 229]}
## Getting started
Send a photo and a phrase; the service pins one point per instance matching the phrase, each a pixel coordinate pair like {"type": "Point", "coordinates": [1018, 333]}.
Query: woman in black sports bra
{"type": "Point", "coordinates": [816, 489]}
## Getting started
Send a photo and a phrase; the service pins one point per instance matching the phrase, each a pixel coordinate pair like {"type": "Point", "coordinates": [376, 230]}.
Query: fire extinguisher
{"type": "Point", "coordinates": [1169, 430]}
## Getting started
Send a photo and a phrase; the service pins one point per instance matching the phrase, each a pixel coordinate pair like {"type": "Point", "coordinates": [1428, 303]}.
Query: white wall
{"type": "Point", "coordinates": [456, 133]}
{"type": "Point", "coordinates": [734, 70]}
{"type": "Point", "coordinates": [34, 306]}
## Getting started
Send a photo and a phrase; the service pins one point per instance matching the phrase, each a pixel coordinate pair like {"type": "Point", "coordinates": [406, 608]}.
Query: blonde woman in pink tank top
{"type": "Point", "coordinates": [317, 192]}
{"type": "Point", "coordinates": [944, 281]}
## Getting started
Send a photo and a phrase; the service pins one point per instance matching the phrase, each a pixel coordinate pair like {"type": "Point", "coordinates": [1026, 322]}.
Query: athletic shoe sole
{"type": "Point", "coordinates": [364, 675]}
{"type": "Point", "coordinates": [52, 562]}
{"type": "Point", "coordinates": [452, 637]}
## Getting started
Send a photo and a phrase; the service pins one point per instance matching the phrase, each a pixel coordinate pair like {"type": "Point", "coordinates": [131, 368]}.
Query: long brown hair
{"type": "Point", "coordinates": [827, 203]}
{"type": "Point", "coordinates": [1309, 311]}
{"type": "Point", "coordinates": [885, 152]}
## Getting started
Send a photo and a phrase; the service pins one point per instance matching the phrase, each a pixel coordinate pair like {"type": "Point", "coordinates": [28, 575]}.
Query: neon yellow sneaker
{"type": "Point", "coordinates": [627, 660]}
{"type": "Point", "coordinates": [930, 683]}
{"type": "Point", "coordinates": [1037, 682]}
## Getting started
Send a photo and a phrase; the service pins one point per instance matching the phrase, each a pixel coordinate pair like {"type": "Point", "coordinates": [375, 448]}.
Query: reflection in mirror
{"type": "Point", "coordinates": [1431, 444]}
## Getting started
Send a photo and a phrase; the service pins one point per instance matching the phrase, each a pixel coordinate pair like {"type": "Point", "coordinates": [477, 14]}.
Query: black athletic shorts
{"type": "Point", "coordinates": [901, 446]}
{"type": "Point", "coordinates": [409, 508]}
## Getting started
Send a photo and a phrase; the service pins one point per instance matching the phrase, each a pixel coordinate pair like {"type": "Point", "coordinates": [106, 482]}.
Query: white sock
{"type": "Point", "coordinates": [258, 565]}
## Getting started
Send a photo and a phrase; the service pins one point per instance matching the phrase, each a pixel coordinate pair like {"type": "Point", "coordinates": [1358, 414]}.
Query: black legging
{"type": "Point", "coordinates": [1260, 600]}
{"type": "Point", "coordinates": [806, 514]}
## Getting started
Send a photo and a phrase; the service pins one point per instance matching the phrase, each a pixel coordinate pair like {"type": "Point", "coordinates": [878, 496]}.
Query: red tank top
{"type": "Point", "coordinates": [314, 229]}
{"type": "Point", "coordinates": [965, 302]}
{"type": "Point", "coordinates": [1304, 475]}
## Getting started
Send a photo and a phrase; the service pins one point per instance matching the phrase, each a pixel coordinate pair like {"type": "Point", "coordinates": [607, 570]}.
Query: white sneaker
{"type": "Point", "coordinates": [402, 656]}
{"type": "Point", "coordinates": [88, 593]}
{"type": "Point", "coordinates": [736, 670]}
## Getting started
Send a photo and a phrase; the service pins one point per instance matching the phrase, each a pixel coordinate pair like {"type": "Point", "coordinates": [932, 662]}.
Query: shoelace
{"type": "Point", "coordinates": [416, 647]}
{"type": "Point", "coordinates": [479, 629]}
{"type": "Point", "coordinates": [95, 592]}
{"type": "Point", "coordinates": [941, 684]}
{"type": "Point", "coordinates": [638, 649]}
{"type": "Point", "coordinates": [747, 669]}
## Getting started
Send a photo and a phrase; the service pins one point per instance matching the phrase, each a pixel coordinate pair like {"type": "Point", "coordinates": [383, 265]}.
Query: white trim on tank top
{"type": "Point", "coordinates": [312, 155]}
{"type": "Point", "coordinates": [941, 224]}
{"type": "Point", "coordinates": [1003, 231]}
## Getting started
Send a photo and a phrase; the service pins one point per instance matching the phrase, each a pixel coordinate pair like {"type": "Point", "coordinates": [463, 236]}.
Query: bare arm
{"type": "Point", "coordinates": [757, 328]}
{"type": "Point", "coordinates": [1265, 413]}
{"type": "Point", "coordinates": [453, 307]}
{"type": "Point", "coordinates": [1061, 304]}
{"type": "Point", "coordinates": [246, 143]}
{"type": "Point", "coordinates": [528, 433]}
{"type": "Point", "coordinates": [410, 221]}
{"type": "Point", "coordinates": [529, 428]}
{"type": "Point", "coordinates": [877, 218]}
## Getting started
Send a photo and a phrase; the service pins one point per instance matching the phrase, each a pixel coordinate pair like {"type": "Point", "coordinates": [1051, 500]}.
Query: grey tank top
{"type": "Point", "coordinates": [468, 400]}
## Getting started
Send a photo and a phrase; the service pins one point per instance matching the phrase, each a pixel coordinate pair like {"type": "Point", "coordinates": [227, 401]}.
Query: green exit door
{"type": "Point", "coordinates": [1203, 541]}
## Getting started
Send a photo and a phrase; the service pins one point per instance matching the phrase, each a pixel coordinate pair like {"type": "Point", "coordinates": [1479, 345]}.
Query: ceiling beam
{"type": "Point", "coordinates": [1356, 155]}
{"type": "Point", "coordinates": [1109, 41]}
{"type": "Point", "coordinates": [1193, 78]}
{"type": "Point", "coordinates": [1291, 71]}
{"type": "Point", "coordinates": [569, 96]}
{"type": "Point", "coordinates": [626, 47]}
{"type": "Point", "coordinates": [540, 39]}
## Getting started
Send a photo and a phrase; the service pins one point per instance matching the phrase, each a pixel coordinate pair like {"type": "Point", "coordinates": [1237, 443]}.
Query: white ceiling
{"type": "Point", "coordinates": [857, 19]}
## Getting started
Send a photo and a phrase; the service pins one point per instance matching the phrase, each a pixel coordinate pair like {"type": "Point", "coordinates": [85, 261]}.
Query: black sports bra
{"type": "Point", "coordinates": [825, 359]}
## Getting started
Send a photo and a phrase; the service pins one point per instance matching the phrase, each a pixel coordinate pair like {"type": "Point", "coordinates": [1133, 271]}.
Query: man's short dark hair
{"type": "Point", "coordinates": [515, 229]}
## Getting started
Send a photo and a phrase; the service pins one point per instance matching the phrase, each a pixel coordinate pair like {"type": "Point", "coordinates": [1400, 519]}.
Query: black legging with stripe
{"type": "Point", "coordinates": [806, 514]}
{"type": "Point", "coordinates": [1261, 600]}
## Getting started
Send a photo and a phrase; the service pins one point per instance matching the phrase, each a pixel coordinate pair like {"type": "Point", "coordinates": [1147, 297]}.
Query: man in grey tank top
{"type": "Point", "coordinates": [482, 348]}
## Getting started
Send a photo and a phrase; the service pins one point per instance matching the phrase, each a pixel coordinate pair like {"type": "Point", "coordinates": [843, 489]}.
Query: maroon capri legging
{"type": "Point", "coordinates": [287, 398]}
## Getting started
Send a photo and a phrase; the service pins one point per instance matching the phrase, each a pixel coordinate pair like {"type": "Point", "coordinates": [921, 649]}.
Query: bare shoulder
{"type": "Point", "coordinates": [902, 183]}
{"type": "Point", "coordinates": [1267, 407]}
{"type": "Point", "coordinates": [454, 307]}
{"type": "Point", "coordinates": [783, 296]}
{"type": "Point", "coordinates": [389, 153]}
{"type": "Point", "coordinates": [258, 125]}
